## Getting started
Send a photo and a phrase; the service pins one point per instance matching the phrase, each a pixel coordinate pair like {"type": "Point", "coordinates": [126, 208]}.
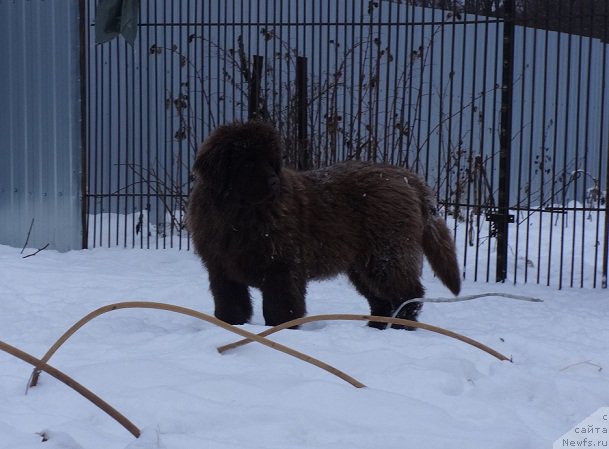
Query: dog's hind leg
{"type": "Point", "coordinates": [386, 284]}
{"type": "Point", "coordinates": [378, 306]}
{"type": "Point", "coordinates": [283, 295]}
{"type": "Point", "coordinates": [232, 299]}
{"type": "Point", "coordinates": [400, 286]}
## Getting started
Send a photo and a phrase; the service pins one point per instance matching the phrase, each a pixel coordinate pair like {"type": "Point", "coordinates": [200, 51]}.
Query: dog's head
{"type": "Point", "coordinates": [240, 164]}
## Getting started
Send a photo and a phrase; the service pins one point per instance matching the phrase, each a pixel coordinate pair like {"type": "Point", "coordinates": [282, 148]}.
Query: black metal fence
{"type": "Point", "coordinates": [509, 122]}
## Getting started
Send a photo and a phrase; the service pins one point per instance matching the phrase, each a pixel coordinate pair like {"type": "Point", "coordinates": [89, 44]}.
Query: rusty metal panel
{"type": "Point", "coordinates": [40, 124]}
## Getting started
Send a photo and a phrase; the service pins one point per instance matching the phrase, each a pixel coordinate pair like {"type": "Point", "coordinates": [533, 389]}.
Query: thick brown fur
{"type": "Point", "coordinates": [257, 224]}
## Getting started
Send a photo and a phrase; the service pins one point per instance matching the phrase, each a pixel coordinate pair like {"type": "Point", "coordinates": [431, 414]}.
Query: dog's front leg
{"type": "Point", "coordinates": [232, 299]}
{"type": "Point", "coordinates": [283, 294]}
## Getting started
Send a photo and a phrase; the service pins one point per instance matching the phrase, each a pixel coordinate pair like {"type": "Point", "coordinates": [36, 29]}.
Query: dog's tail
{"type": "Point", "coordinates": [439, 248]}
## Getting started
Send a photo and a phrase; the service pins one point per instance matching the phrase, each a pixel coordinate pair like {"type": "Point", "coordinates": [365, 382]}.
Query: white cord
{"type": "Point", "coordinates": [464, 298]}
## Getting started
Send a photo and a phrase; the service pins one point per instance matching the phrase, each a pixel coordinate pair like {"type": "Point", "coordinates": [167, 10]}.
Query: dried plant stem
{"type": "Point", "coordinates": [195, 314]}
{"type": "Point", "coordinates": [479, 295]}
{"type": "Point", "coordinates": [379, 319]}
{"type": "Point", "coordinates": [465, 298]}
{"type": "Point", "coordinates": [27, 239]}
{"type": "Point", "coordinates": [59, 375]}
{"type": "Point", "coordinates": [585, 362]}
{"type": "Point", "coordinates": [37, 251]}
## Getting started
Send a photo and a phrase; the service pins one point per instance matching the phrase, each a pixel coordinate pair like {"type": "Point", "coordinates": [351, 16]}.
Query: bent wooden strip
{"type": "Point", "coordinates": [59, 375]}
{"type": "Point", "coordinates": [195, 314]}
{"type": "Point", "coordinates": [380, 319]}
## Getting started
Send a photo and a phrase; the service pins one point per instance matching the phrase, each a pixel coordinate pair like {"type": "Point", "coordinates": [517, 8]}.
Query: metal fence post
{"type": "Point", "coordinates": [503, 218]}
{"type": "Point", "coordinates": [606, 233]}
{"type": "Point", "coordinates": [253, 94]}
{"type": "Point", "coordinates": [304, 156]}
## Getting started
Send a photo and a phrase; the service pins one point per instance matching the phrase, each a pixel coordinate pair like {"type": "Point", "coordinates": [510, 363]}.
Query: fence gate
{"type": "Point", "coordinates": [506, 118]}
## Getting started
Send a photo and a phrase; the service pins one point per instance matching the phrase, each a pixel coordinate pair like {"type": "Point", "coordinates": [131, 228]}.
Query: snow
{"type": "Point", "coordinates": [162, 371]}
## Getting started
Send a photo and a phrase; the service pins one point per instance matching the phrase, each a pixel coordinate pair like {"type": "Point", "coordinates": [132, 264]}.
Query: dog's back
{"type": "Point", "coordinates": [363, 209]}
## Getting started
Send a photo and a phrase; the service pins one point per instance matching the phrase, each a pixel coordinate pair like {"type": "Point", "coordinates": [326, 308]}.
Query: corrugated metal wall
{"type": "Point", "coordinates": [40, 124]}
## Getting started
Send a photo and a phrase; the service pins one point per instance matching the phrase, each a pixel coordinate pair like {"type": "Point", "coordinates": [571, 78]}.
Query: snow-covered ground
{"type": "Point", "coordinates": [162, 370]}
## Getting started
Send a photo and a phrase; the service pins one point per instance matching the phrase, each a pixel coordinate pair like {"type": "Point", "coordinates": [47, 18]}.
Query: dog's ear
{"type": "Point", "coordinates": [212, 167]}
{"type": "Point", "coordinates": [264, 138]}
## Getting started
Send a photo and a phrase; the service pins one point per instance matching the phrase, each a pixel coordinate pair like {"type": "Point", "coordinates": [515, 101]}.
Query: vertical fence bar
{"type": "Point", "coordinates": [519, 177]}
{"type": "Point", "coordinates": [564, 258]}
{"type": "Point", "coordinates": [220, 33]}
{"type": "Point", "coordinates": [141, 226]}
{"type": "Point", "coordinates": [596, 205]}
{"type": "Point", "coordinates": [505, 142]}
{"type": "Point", "coordinates": [349, 87]}
{"type": "Point", "coordinates": [600, 152]}
{"type": "Point", "coordinates": [278, 56]}
{"type": "Point", "coordinates": [493, 141]}
{"type": "Point", "coordinates": [330, 134]}
{"type": "Point", "coordinates": [480, 165]}
{"type": "Point", "coordinates": [317, 144]}
{"type": "Point", "coordinates": [407, 102]}
{"type": "Point", "coordinates": [555, 114]}
{"type": "Point", "coordinates": [458, 197]}
{"type": "Point", "coordinates": [450, 127]}
{"type": "Point", "coordinates": [123, 188]}
{"type": "Point", "coordinates": [84, 54]}
{"type": "Point", "coordinates": [545, 112]}
{"type": "Point", "coordinates": [577, 45]}
{"type": "Point", "coordinates": [430, 88]}
{"type": "Point", "coordinates": [98, 137]}
{"type": "Point", "coordinates": [375, 80]}
{"type": "Point", "coordinates": [168, 164]}
{"type": "Point", "coordinates": [184, 144]}
{"type": "Point", "coordinates": [107, 158]}
{"type": "Point", "coordinates": [338, 76]}
{"type": "Point", "coordinates": [392, 56]}
{"type": "Point", "coordinates": [606, 240]}
{"type": "Point", "coordinates": [206, 55]}
{"type": "Point", "coordinates": [360, 81]}
{"type": "Point", "coordinates": [120, 94]}
{"type": "Point", "coordinates": [131, 167]}
{"type": "Point", "coordinates": [586, 135]}
{"type": "Point", "coordinates": [529, 169]}
{"type": "Point", "coordinates": [471, 156]}
{"type": "Point", "coordinates": [304, 156]}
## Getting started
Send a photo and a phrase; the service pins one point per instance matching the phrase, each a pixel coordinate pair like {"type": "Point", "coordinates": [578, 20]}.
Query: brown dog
{"type": "Point", "coordinates": [254, 223]}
